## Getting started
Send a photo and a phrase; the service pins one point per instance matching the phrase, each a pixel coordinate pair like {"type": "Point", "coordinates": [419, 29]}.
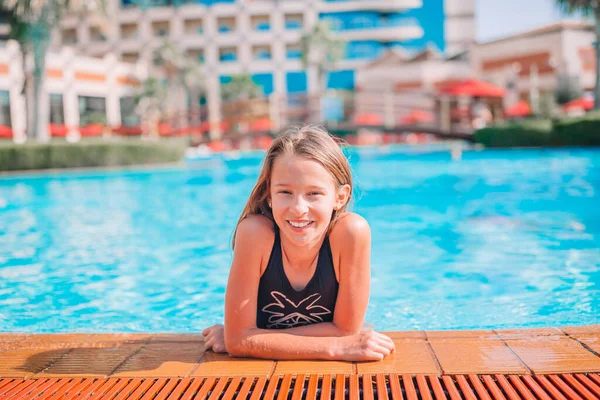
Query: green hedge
{"type": "Point", "coordinates": [89, 153]}
{"type": "Point", "coordinates": [584, 131]}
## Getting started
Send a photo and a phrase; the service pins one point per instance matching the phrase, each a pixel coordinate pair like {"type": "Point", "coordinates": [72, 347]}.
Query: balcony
{"type": "Point", "coordinates": [369, 5]}
{"type": "Point", "coordinates": [384, 31]}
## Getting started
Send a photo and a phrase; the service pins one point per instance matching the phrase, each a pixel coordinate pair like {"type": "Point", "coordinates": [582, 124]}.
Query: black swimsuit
{"type": "Point", "coordinates": [280, 306]}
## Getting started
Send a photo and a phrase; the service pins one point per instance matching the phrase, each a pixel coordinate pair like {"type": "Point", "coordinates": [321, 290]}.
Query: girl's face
{"type": "Point", "coordinates": [303, 196]}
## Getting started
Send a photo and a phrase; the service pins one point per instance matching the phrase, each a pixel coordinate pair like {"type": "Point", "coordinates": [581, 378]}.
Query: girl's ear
{"type": "Point", "coordinates": [343, 195]}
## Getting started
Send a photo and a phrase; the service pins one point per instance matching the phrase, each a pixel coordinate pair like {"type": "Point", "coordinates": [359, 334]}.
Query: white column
{"type": "Point", "coordinates": [70, 101]}
{"type": "Point", "coordinates": [113, 109]}
{"type": "Point", "coordinates": [18, 115]}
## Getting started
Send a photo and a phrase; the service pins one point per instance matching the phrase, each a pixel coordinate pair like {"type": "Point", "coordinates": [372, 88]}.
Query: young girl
{"type": "Point", "coordinates": [299, 281]}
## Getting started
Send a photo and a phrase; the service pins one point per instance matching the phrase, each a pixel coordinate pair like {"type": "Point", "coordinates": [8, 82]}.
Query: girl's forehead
{"type": "Point", "coordinates": [293, 168]}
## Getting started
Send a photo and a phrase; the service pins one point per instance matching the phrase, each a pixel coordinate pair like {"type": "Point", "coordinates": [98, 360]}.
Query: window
{"type": "Point", "coordinates": [57, 111]}
{"type": "Point", "coordinates": [129, 31]}
{"type": "Point", "coordinates": [160, 29]}
{"type": "Point", "coordinates": [261, 23]}
{"type": "Point", "coordinates": [261, 52]}
{"type": "Point", "coordinates": [69, 36]}
{"type": "Point", "coordinates": [196, 54]}
{"type": "Point", "coordinates": [193, 27]}
{"type": "Point", "coordinates": [96, 34]}
{"type": "Point", "coordinates": [128, 115]}
{"type": "Point", "coordinates": [228, 54]}
{"type": "Point", "coordinates": [5, 108]}
{"type": "Point", "coordinates": [226, 24]}
{"type": "Point", "coordinates": [293, 52]}
{"type": "Point", "coordinates": [130, 57]}
{"type": "Point", "coordinates": [92, 110]}
{"type": "Point", "coordinates": [293, 21]}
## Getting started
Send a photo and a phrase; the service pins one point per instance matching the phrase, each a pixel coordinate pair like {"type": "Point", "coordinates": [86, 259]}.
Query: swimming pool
{"type": "Point", "coordinates": [501, 238]}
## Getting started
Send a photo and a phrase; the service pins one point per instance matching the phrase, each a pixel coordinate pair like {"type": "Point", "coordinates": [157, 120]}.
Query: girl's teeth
{"type": "Point", "coordinates": [298, 225]}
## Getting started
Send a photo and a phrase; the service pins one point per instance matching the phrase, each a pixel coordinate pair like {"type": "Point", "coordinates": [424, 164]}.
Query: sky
{"type": "Point", "coordinates": [500, 18]}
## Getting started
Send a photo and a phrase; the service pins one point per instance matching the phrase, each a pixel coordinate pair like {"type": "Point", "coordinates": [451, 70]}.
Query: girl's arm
{"type": "Point", "coordinates": [242, 338]}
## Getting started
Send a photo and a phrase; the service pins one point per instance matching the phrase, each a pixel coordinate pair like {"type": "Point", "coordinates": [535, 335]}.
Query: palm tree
{"type": "Point", "coordinates": [322, 49]}
{"type": "Point", "coordinates": [31, 25]}
{"type": "Point", "coordinates": [587, 8]}
{"type": "Point", "coordinates": [150, 100]}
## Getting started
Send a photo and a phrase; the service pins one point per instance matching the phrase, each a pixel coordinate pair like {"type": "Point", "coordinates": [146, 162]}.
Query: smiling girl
{"type": "Point", "coordinates": [299, 281]}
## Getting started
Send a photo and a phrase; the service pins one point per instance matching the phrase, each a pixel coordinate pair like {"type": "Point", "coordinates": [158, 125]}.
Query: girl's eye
{"type": "Point", "coordinates": [284, 192]}
{"type": "Point", "coordinates": [314, 193]}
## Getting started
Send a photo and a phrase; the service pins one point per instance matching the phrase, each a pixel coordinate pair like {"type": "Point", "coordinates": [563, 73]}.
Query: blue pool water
{"type": "Point", "coordinates": [502, 238]}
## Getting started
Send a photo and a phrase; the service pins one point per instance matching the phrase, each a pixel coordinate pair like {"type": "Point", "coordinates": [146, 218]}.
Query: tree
{"type": "Point", "coordinates": [150, 100]}
{"type": "Point", "coordinates": [322, 49]}
{"type": "Point", "coordinates": [183, 74]}
{"type": "Point", "coordinates": [31, 25]}
{"type": "Point", "coordinates": [587, 8]}
{"type": "Point", "coordinates": [241, 87]}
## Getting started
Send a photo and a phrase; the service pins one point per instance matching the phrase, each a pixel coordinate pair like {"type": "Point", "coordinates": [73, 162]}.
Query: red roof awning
{"type": "Point", "coordinates": [416, 116]}
{"type": "Point", "coordinates": [473, 88]}
{"type": "Point", "coordinates": [520, 109]}
{"type": "Point", "coordinates": [368, 119]}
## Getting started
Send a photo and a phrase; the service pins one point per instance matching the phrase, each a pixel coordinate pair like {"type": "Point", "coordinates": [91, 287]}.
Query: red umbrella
{"type": "Point", "coordinates": [583, 103]}
{"type": "Point", "coordinates": [473, 88]}
{"type": "Point", "coordinates": [520, 109]}
{"type": "Point", "coordinates": [416, 116]}
{"type": "Point", "coordinates": [368, 119]}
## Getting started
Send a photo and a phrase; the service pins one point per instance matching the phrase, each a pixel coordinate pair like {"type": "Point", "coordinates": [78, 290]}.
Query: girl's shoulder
{"type": "Point", "coordinates": [257, 229]}
{"type": "Point", "coordinates": [350, 226]}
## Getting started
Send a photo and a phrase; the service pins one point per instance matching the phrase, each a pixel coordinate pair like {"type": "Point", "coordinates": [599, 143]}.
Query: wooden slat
{"type": "Point", "coordinates": [493, 388]}
{"type": "Point", "coordinates": [285, 387]}
{"type": "Point", "coordinates": [137, 394]}
{"type": "Point", "coordinates": [218, 389]}
{"type": "Point", "coordinates": [588, 383]}
{"type": "Point", "coordinates": [367, 381]}
{"type": "Point", "coordinates": [326, 387]}
{"type": "Point", "coordinates": [465, 387]}
{"type": "Point", "coordinates": [4, 382]}
{"type": "Point", "coordinates": [578, 386]}
{"type": "Point", "coordinates": [395, 387]}
{"type": "Point", "coordinates": [520, 386]}
{"type": "Point", "coordinates": [564, 387]}
{"type": "Point", "coordinates": [533, 385]}
{"type": "Point", "coordinates": [232, 388]}
{"type": "Point", "coordinates": [66, 388]}
{"type": "Point", "coordinates": [595, 378]}
{"type": "Point", "coordinates": [207, 385]}
{"type": "Point", "coordinates": [451, 387]}
{"type": "Point", "coordinates": [51, 383]}
{"type": "Point", "coordinates": [93, 386]}
{"type": "Point", "coordinates": [270, 393]}
{"type": "Point", "coordinates": [354, 388]}
{"type": "Point", "coordinates": [480, 390]}
{"type": "Point", "coordinates": [246, 386]}
{"type": "Point", "coordinates": [258, 388]}
{"type": "Point", "coordinates": [16, 386]}
{"type": "Point", "coordinates": [340, 387]}
{"type": "Point", "coordinates": [153, 390]}
{"type": "Point", "coordinates": [190, 392]}
{"type": "Point", "coordinates": [507, 387]}
{"type": "Point", "coordinates": [311, 392]}
{"type": "Point", "coordinates": [550, 388]}
{"type": "Point", "coordinates": [113, 389]}
{"type": "Point", "coordinates": [437, 388]}
{"type": "Point", "coordinates": [298, 387]}
{"type": "Point", "coordinates": [381, 387]}
{"type": "Point", "coordinates": [423, 388]}
{"type": "Point", "coordinates": [173, 389]}
{"type": "Point", "coordinates": [409, 387]}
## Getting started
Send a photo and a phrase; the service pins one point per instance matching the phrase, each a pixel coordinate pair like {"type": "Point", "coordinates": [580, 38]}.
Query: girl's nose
{"type": "Point", "coordinates": [299, 206]}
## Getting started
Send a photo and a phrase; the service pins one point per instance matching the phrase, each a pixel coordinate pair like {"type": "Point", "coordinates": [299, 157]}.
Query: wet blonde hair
{"type": "Point", "coordinates": [311, 142]}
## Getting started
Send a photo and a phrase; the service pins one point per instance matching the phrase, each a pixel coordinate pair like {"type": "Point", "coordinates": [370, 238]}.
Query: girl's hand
{"type": "Point", "coordinates": [214, 338]}
{"type": "Point", "coordinates": [364, 346]}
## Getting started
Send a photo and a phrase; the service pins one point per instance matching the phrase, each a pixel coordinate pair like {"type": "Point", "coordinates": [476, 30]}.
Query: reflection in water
{"type": "Point", "coordinates": [496, 239]}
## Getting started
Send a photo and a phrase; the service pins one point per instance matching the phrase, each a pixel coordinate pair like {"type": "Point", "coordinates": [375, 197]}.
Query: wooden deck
{"type": "Point", "coordinates": [552, 363]}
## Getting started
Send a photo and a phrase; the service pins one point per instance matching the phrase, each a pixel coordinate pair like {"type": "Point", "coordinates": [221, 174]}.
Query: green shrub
{"type": "Point", "coordinates": [531, 133]}
{"type": "Point", "coordinates": [584, 131]}
{"type": "Point", "coordinates": [88, 153]}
